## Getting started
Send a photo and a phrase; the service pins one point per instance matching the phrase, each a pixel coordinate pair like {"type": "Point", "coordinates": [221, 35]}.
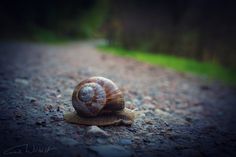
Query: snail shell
{"type": "Point", "coordinates": [98, 101]}
{"type": "Point", "coordinates": [97, 95]}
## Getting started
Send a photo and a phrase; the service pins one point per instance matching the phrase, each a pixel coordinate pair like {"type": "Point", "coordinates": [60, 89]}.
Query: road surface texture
{"type": "Point", "coordinates": [178, 114]}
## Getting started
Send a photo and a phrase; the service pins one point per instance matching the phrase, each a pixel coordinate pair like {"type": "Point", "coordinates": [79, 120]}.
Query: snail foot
{"type": "Point", "coordinates": [123, 117]}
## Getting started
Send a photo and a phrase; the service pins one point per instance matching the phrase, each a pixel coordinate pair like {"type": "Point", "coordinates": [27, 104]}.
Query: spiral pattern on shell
{"type": "Point", "coordinates": [97, 95]}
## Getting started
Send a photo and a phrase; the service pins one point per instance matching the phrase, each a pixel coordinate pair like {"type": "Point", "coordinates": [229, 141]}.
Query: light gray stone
{"type": "Point", "coordinates": [96, 131]}
{"type": "Point", "coordinates": [125, 141]}
{"type": "Point", "coordinates": [22, 81]}
{"type": "Point", "coordinates": [68, 141]}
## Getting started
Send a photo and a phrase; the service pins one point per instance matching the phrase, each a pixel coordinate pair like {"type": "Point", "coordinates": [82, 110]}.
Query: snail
{"type": "Point", "coordinates": [98, 101]}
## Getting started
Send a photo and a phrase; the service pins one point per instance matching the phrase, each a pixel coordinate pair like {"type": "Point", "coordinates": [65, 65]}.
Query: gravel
{"type": "Point", "coordinates": [178, 114]}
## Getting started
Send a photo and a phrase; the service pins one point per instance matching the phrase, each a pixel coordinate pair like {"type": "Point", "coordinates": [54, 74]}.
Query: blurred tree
{"type": "Point", "coordinates": [67, 18]}
{"type": "Point", "coordinates": [203, 29]}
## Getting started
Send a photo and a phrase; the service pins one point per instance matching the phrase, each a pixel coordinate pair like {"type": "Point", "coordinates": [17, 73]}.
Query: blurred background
{"type": "Point", "coordinates": [195, 35]}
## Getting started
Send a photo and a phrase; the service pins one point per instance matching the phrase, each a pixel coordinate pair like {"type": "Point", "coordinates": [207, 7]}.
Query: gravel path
{"type": "Point", "coordinates": [179, 114]}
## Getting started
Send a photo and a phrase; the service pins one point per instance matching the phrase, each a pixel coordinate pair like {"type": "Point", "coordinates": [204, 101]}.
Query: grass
{"type": "Point", "coordinates": [207, 69]}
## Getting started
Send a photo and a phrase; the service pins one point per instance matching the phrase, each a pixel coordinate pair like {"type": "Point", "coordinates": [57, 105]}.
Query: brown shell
{"type": "Point", "coordinates": [107, 97]}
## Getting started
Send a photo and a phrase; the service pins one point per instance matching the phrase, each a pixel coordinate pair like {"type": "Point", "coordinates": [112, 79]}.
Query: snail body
{"type": "Point", "coordinates": [98, 101]}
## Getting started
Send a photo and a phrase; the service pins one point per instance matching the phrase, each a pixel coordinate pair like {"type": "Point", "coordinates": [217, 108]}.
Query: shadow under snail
{"type": "Point", "coordinates": [98, 101]}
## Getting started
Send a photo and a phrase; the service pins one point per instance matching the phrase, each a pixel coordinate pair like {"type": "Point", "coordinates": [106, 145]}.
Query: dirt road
{"type": "Point", "coordinates": [179, 114]}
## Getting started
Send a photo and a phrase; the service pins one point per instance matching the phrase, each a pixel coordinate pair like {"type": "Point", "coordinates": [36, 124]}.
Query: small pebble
{"type": "Point", "coordinates": [147, 99]}
{"type": "Point", "coordinates": [60, 108]}
{"type": "Point", "coordinates": [48, 108]}
{"type": "Point", "coordinates": [132, 129]}
{"type": "Point", "coordinates": [148, 121]}
{"type": "Point", "coordinates": [31, 99]}
{"type": "Point", "coordinates": [129, 105]}
{"type": "Point", "coordinates": [59, 132]}
{"type": "Point", "coordinates": [41, 122]}
{"type": "Point", "coordinates": [56, 117]}
{"type": "Point", "coordinates": [22, 81]}
{"type": "Point", "coordinates": [68, 92]}
{"type": "Point", "coordinates": [137, 138]}
{"type": "Point", "coordinates": [96, 131]}
{"type": "Point", "coordinates": [68, 141]}
{"type": "Point", "coordinates": [125, 142]}
{"type": "Point", "coordinates": [101, 140]}
{"type": "Point", "coordinates": [137, 102]}
{"type": "Point", "coordinates": [18, 114]}
{"type": "Point", "coordinates": [148, 106]}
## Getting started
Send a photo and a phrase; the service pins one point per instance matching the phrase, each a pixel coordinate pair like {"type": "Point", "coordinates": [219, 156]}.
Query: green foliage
{"type": "Point", "coordinates": [93, 19]}
{"type": "Point", "coordinates": [210, 70]}
{"type": "Point", "coordinates": [46, 36]}
{"type": "Point", "coordinates": [53, 22]}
